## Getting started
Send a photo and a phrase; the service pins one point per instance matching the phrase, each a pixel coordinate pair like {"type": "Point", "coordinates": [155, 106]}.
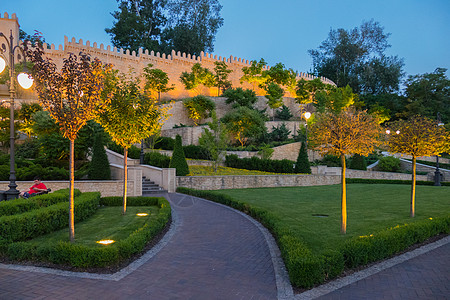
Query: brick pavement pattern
{"type": "Point", "coordinates": [215, 253]}
{"type": "Point", "coordinates": [423, 277]}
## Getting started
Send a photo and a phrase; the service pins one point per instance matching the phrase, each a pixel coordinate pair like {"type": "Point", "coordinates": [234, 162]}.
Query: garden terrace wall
{"type": "Point", "coordinates": [407, 165]}
{"type": "Point", "coordinates": [105, 187]}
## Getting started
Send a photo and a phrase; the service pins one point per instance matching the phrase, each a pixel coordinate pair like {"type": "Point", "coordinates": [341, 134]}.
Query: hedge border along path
{"type": "Point", "coordinates": [174, 227]}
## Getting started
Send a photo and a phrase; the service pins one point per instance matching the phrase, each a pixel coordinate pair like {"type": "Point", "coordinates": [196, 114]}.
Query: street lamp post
{"type": "Point", "coordinates": [25, 81]}
{"type": "Point", "coordinates": [437, 173]}
{"type": "Point", "coordinates": [307, 116]}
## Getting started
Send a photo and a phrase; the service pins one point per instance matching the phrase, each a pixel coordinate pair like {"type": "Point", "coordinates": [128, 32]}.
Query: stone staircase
{"type": "Point", "coordinates": [150, 187]}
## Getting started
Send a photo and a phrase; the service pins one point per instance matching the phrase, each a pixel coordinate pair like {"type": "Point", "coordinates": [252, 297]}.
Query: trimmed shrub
{"type": "Point", "coordinates": [156, 159]}
{"type": "Point", "coordinates": [389, 164]}
{"type": "Point", "coordinates": [302, 164]}
{"type": "Point", "coordinates": [196, 152]}
{"type": "Point", "coordinates": [178, 160]}
{"type": "Point", "coordinates": [165, 143]}
{"type": "Point", "coordinates": [284, 113]}
{"type": "Point", "coordinates": [41, 221]}
{"type": "Point", "coordinates": [255, 163]}
{"type": "Point", "coordinates": [358, 162]}
{"type": "Point", "coordinates": [99, 166]}
{"type": "Point", "coordinates": [389, 181]}
{"type": "Point", "coordinates": [239, 97]}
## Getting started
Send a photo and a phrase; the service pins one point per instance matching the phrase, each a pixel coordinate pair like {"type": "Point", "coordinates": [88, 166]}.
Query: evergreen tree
{"type": "Point", "coordinates": [99, 167]}
{"type": "Point", "coordinates": [302, 164]}
{"type": "Point", "coordinates": [178, 160]}
{"type": "Point", "coordinates": [358, 163]}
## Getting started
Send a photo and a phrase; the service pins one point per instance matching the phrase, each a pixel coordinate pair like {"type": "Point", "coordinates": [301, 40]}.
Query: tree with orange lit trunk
{"type": "Point", "coordinates": [72, 96]}
{"type": "Point", "coordinates": [131, 116]}
{"type": "Point", "coordinates": [418, 136]}
{"type": "Point", "coordinates": [341, 134]}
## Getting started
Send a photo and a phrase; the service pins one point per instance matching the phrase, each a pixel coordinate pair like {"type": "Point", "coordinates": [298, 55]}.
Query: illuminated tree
{"type": "Point", "coordinates": [274, 96]}
{"type": "Point", "coordinates": [72, 96]}
{"type": "Point", "coordinates": [197, 76]}
{"type": "Point", "coordinates": [199, 107]}
{"type": "Point", "coordinates": [157, 81]}
{"type": "Point", "coordinates": [131, 116]}
{"type": "Point", "coordinates": [341, 134]}
{"type": "Point", "coordinates": [222, 72]}
{"type": "Point", "coordinates": [418, 136]}
{"type": "Point", "coordinates": [244, 123]}
{"type": "Point", "coordinates": [215, 140]}
{"type": "Point", "coordinates": [254, 73]}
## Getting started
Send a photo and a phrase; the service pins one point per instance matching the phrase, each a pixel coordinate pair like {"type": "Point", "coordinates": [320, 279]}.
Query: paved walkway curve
{"type": "Point", "coordinates": [210, 252]}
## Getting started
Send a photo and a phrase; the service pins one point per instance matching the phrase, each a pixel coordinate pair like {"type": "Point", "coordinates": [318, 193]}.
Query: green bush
{"type": "Point", "coordinates": [178, 160]}
{"type": "Point", "coordinates": [307, 269]}
{"type": "Point", "coordinates": [165, 143]}
{"type": "Point", "coordinates": [284, 113]}
{"type": "Point", "coordinates": [239, 97]}
{"type": "Point", "coordinates": [389, 164]}
{"type": "Point", "coordinates": [156, 159]}
{"type": "Point", "coordinates": [255, 163]}
{"type": "Point", "coordinates": [41, 221]}
{"type": "Point", "coordinates": [358, 162]}
{"type": "Point", "coordinates": [196, 152]}
{"type": "Point", "coordinates": [100, 256]}
{"type": "Point", "coordinates": [131, 201]}
{"type": "Point", "coordinates": [29, 149]}
{"type": "Point", "coordinates": [302, 164]}
{"type": "Point", "coordinates": [99, 166]}
{"type": "Point", "coordinates": [280, 133]}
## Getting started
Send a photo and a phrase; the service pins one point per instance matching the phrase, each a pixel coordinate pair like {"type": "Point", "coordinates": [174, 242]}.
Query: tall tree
{"type": "Point", "coordinates": [215, 140]}
{"type": "Point", "coordinates": [244, 123]}
{"type": "Point", "coordinates": [428, 94]}
{"type": "Point", "coordinates": [131, 116]}
{"type": "Point", "coordinates": [72, 96]}
{"type": "Point", "coordinates": [254, 73]}
{"type": "Point", "coordinates": [341, 134]}
{"type": "Point", "coordinates": [221, 76]}
{"type": "Point", "coordinates": [357, 58]}
{"type": "Point", "coordinates": [193, 25]}
{"type": "Point", "coordinates": [198, 75]}
{"type": "Point", "coordinates": [138, 24]}
{"type": "Point", "coordinates": [418, 136]}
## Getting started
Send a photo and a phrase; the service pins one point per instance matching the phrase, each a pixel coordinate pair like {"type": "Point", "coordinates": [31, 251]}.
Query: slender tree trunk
{"type": "Point", "coordinates": [71, 193]}
{"type": "Point", "coordinates": [125, 179]}
{"type": "Point", "coordinates": [343, 198]}
{"type": "Point", "coordinates": [413, 188]}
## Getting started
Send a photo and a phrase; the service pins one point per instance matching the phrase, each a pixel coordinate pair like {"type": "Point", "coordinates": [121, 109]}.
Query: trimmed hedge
{"type": "Point", "coordinates": [18, 206]}
{"type": "Point", "coordinates": [389, 181]}
{"type": "Point", "coordinates": [307, 269]}
{"type": "Point", "coordinates": [255, 163]}
{"type": "Point", "coordinates": [41, 221]}
{"type": "Point", "coordinates": [99, 256]}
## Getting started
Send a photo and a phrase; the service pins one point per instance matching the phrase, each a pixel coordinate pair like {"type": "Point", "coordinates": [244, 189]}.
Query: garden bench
{"type": "Point", "coordinates": [41, 193]}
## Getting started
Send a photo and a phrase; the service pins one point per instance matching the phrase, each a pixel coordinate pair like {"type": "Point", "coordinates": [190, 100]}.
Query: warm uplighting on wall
{"type": "Point", "coordinates": [105, 242]}
{"type": "Point", "coordinates": [142, 214]}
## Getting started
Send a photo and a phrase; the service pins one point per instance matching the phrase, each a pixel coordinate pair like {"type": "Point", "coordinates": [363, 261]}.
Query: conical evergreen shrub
{"type": "Point", "coordinates": [358, 163]}
{"type": "Point", "coordinates": [99, 166]}
{"type": "Point", "coordinates": [302, 164]}
{"type": "Point", "coordinates": [178, 160]}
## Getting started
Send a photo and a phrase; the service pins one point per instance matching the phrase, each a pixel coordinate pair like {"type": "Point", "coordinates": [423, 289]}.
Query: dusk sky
{"type": "Point", "coordinates": [278, 31]}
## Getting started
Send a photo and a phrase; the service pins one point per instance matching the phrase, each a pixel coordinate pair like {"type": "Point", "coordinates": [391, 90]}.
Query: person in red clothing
{"type": "Point", "coordinates": [36, 188]}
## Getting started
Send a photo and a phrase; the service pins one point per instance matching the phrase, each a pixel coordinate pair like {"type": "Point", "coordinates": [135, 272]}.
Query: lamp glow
{"type": "Point", "coordinates": [142, 214]}
{"type": "Point", "coordinates": [397, 132]}
{"type": "Point", "coordinates": [25, 80]}
{"type": "Point", "coordinates": [388, 131]}
{"type": "Point", "coordinates": [2, 64]}
{"type": "Point", "coordinates": [105, 242]}
{"type": "Point", "coordinates": [307, 115]}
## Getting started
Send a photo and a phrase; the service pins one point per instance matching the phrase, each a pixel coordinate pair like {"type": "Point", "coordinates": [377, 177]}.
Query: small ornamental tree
{"type": "Point", "coordinates": [199, 107]}
{"type": "Point", "coordinates": [358, 162]}
{"type": "Point", "coordinates": [418, 136]}
{"type": "Point", "coordinates": [99, 166]}
{"type": "Point", "coordinates": [274, 95]}
{"type": "Point", "coordinates": [302, 165]}
{"type": "Point", "coordinates": [178, 160]}
{"type": "Point", "coordinates": [284, 113]}
{"type": "Point", "coordinates": [244, 123]}
{"type": "Point", "coordinates": [156, 81]}
{"type": "Point", "coordinates": [215, 140]}
{"type": "Point", "coordinates": [130, 117]}
{"type": "Point", "coordinates": [239, 97]}
{"type": "Point", "coordinates": [72, 96]}
{"type": "Point", "coordinates": [222, 72]}
{"type": "Point", "coordinates": [197, 76]}
{"type": "Point", "coordinates": [254, 74]}
{"type": "Point", "coordinates": [343, 134]}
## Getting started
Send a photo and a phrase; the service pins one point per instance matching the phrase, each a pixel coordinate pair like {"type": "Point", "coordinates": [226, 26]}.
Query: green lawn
{"type": "Point", "coordinates": [371, 207]}
{"type": "Point", "coordinates": [106, 223]}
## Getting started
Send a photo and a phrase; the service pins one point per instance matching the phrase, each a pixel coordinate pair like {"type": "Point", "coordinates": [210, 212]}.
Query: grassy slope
{"type": "Point", "coordinates": [370, 208]}
{"type": "Point", "coordinates": [108, 223]}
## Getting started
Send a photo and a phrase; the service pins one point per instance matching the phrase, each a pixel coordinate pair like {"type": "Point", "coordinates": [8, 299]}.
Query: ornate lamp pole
{"type": "Point", "coordinates": [437, 173]}
{"type": "Point", "coordinates": [307, 115]}
{"type": "Point", "coordinates": [24, 81]}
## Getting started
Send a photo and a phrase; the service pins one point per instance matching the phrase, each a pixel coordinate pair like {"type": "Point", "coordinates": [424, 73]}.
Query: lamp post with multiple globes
{"type": "Point", "coordinates": [24, 81]}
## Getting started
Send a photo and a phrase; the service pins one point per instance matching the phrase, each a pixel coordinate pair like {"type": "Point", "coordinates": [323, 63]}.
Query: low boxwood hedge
{"type": "Point", "coordinates": [31, 224]}
{"type": "Point", "coordinates": [307, 269]}
{"type": "Point", "coordinates": [18, 206]}
{"type": "Point", "coordinates": [391, 181]}
{"type": "Point", "coordinates": [98, 256]}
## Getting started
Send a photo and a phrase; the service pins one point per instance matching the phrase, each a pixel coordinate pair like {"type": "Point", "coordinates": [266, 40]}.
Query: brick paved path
{"type": "Point", "coordinates": [215, 253]}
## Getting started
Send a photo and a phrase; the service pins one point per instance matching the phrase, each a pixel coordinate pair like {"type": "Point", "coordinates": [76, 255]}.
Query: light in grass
{"type": "Point", "coordinates": [142, 214]}
{"type": "Point", "coordinates": [105, 242]}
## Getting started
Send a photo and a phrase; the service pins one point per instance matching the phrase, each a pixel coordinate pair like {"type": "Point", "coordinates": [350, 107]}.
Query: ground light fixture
{"type": "Point", "coordinates": [24, 81]}
{"type": "Point", "coordinates": [105, 242]}
{"type": "Point", "coordinates": [142, 214]}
